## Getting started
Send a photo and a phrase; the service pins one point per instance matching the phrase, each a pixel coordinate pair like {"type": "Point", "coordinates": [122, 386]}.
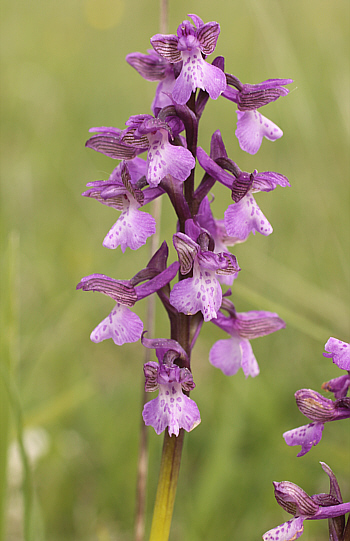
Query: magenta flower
{"type": "Point", "coordinates": [189, 45]}
{"type": "Point", "coordinates": [235, 352]}
{"type": "Point", "coordinates": [245, 217]}
{"type": "Point", "coordinates": [145, 132]}
{"type": "Point", "coordinates": [252, 126]}
{"type": "Point", "coordinates": [122, 325]}
{"type": "Point", "coordinates": [202, 292]}
{"type": "Point", "coordinates": [296, 501]}
{"type": "Point", "coordinates": [121, 192]}
{"type": "Point", "coordinates": [171, 409]}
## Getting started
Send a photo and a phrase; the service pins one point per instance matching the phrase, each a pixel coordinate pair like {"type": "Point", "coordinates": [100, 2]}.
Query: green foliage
{"type": "Point", "coordinates": [63, 71]}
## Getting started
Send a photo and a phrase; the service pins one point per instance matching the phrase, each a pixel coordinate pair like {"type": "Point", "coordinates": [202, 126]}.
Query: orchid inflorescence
{"type": "Point", "coordinates": [168, 139]}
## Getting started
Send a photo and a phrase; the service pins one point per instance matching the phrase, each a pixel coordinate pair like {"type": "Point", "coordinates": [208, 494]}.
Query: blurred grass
{"type": "Point", "coordinates": [63, 71]}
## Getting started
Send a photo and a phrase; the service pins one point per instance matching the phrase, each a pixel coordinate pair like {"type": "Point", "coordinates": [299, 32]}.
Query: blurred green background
{"type": "Point", "coordinates": [76, 404]}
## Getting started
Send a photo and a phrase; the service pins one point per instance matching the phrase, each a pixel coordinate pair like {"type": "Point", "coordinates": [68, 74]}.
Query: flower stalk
{"type": "Point", "coordinates": [167, 484]}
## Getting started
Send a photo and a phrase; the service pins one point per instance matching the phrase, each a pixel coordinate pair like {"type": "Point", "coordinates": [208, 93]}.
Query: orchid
{"type": "Point", "coordinates": [145, 132]}
{"type": "Point", "coordinates": [201, 292]}
{"type": "Point", "coordinates": [236, 352]}
{"type": "Point", "coordinates": [168, 139]}
{"type": "Point", "coordinates": [188, 46]}
{"type": "Point", "coordinates": [252, 126]}
{"type": "Point", "coordinates": [171, 409]}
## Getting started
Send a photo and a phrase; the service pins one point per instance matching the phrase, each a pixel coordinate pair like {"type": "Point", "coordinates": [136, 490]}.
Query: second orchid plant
{"type": "Point", "coordinates": [159, 156]}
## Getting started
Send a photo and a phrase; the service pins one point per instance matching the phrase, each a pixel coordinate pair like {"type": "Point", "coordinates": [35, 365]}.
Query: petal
{"type": "Point", "coordinates": [249, 363]}
{"type": "Point", "coordinates": [288, 531]}
{"type": "Point", "coordinates": [268, 180]}
{"type": "Point", "coordinates": [121, 325]}
{"type": "Point", "coordinates": [227, 355]}
{"type": "Point", "coordinates": [339, 351]}
{"type": "Point", "coordinates": [252, 126]}
{"type": "Point", "coordinates": [164, 158]}
{"type": "Point", "coordinates": [197, 73]}
{"type": "Point", "coordinates": [306, 436]}
{"type": "Point", "coordinates": [245, 217]}
{"type": "Point", "coordinates": [171, 409]}
{"type": "Point", "coordinates": [132, 229]}
{"type": "Point", "coordinates": [257, 323]}
{"type": "Point", "coordinates": [187, 251]}
{"type": "Point", "coordinates": [150, 66]}
{"type": "Point", "coordinates": [166, 46]}
{"type": "Point", "coordinates": [200, 293]}
{"type": "Point", "coordinates": [207, 36]}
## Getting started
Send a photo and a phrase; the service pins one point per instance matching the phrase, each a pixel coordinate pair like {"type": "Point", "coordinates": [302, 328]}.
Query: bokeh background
{"type": "Point", "coordinates": [76, 405]}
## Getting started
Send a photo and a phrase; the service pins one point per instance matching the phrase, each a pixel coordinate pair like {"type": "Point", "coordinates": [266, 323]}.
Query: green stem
{"type": "Point", "coordinates": [168, 476]}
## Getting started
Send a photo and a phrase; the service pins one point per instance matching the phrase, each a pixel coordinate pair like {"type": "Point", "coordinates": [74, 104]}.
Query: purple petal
{"type": "Point", "coordinates": [288, 531]}
{"type": "Point", "coordinates": [200, 293]}
{"type": "Point", "coordinates": [207, 36]}
{"type": "Point", "coordinates": [171, 409]}
{"type": "Point", "coordinates": [197, 73]}
{"type": "Point", "coordinates": [267, 181]}
{"type": "Point", "coordinates": [163, 93]}
{"type": "Point", "coordinates": [132, 229]}
{"type": "Point", "coordinates": [187, 251]}
{"type": "Point", "coordinates": [227, 355]}
{"type": "Point", "coordinates": [121, 291]}
{"type": "Point", "coordinates": [339, 351]}
{"type": "Point", "coordinates": [338, 386]}
{"type": "Point", "coordinates": [306, 436]}
{"type": "Point", "coordinates": [250, 366]}
{"type": "Point", "coordinates": [164, 158]}
{"type": "Point", "coordinates": [121, 325]}
{"type": "Point", "coordinates": [245, 217]}
{"type": "Point", "coordinates": [257, 323]}
{"type": "Point", "coordinates": [151, 66]}
{"type": "Point", "coordinates": [111, 146]}
{"type": "Point", "coordinates": [252, 126]}
{"type": "Point", "coordinates": [166, 46]}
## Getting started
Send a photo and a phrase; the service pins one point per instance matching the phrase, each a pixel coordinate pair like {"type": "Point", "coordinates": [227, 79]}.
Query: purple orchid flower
{"type": "Point", "coordinates": [318, 408]}
{"type": "Point", "coordinates": [122, 325]}
{"type": "Point", "coordinates": [121, 192]}
{"type": "Point", "coordinates": [252, 126]}
{"type": "Point", "coordinates": [171, 409]}
{"type": "Point", "coordinates": [235, 352]}
{"type": "Point", "coordinates": [244, 216]}
{"type": "Point", "coordinates": [202, 292]}
{"type": "Point", "coordinates": [145, 132]}
{"type": "Point", "coordinates": [296, 501]}
{"type": "Point", "coordinates": [190, 44]}
{"type": "Point", "coordinates": [154, 67]}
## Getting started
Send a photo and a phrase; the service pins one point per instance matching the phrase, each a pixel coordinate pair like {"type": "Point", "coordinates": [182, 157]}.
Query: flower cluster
{"type": "Point", "coordinates": [159, 156]}
{"type": "Point", "coordinates": [319, 410]}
